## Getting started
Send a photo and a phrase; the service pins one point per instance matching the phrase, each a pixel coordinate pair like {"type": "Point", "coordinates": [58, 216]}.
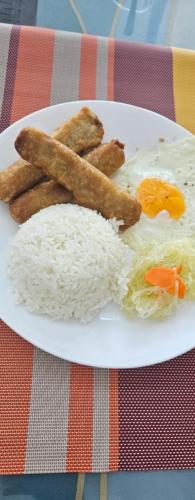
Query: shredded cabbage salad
{"type": "Point", "coordinates": [148, 301]}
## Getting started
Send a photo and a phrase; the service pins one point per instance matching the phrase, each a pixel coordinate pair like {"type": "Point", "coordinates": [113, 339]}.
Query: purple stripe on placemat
{"type": "Point", "coordinates": [143, 77]}
{"type": "Point", "coordinates": [10, 78]}
{"type": "Point", "coordinates": [156, 416]}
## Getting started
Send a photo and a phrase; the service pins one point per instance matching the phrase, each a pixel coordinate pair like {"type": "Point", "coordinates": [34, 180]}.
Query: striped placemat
{"type": "Point", "coordinates": [57, 416]}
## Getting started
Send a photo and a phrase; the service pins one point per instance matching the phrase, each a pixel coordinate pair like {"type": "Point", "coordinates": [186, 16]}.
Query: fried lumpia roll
{"type": "Point", "coordinates": [90, 187]}
{"type": "Point", "coordinates": [82, 131]}
{"type": "Point", "coordinates": [41, 196]}
{"type": "Point", "coordinates": [107, 157]}
{"type": "Point", "coordinates": [18, 177]}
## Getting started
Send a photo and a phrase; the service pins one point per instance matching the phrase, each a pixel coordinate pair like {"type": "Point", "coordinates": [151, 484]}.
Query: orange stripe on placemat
{"type": "Point", "coordinates": [111, 69]}
{"type": "Point", "coordinates": [88, 58]}
{"type": "Point", "coordinates": [15, 389]}
{"type": "Point", "coordinates": [184, 87]}
{"type": "Point", "coordinates": [113, 421]}
{"type": "Point", "coordinates": [34, 71]}
{"type": "Point", "coordinates": [80, 426]}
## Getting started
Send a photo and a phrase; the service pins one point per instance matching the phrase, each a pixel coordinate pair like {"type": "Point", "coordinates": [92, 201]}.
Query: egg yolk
{"type": "Point", "coordinates": [156, 195]}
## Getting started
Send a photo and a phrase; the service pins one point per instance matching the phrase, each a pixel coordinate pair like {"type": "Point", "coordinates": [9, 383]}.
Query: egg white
{"type": "Point", "coordinates": [173, 163]}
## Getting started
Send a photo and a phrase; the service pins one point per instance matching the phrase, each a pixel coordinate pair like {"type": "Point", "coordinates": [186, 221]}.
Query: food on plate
{"type": "Point", "coordinates": [41, 196]}
{"type": "Point", "coordinates": [172, 164]}
{"type": "Point", "coordinates": [68, 261]}
{"type": "Point", "coordinates": [107, 157]}
{"type": "Point", "coordinates": [156, 195]}
{"type": "Point", "coordinates": [90, 187]}
{"type": "Point", "coordinates": [82, 131]}
{"type": "Point", "coordinates": [160, 277]}
{"type": "Point", "coordinates": [18, 178]}
{"type": "Point", "coordinates": [168, 279]}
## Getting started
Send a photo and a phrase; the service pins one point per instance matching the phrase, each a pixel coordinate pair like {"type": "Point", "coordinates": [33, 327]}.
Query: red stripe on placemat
{"type": "Point", "coordinates": [10, 78]}
{"type": "Point", "coordinates": [34, 71]}
{"type": "Point", "coordinates": [80, 424]}
{"type": "Point", "coordinates": [157, 416]}
{"type": "Point", "coordinates": [15, 388]}
{"type": "Point", "coordinates": [88, 57]}
{"type": "Point", "coordinates": [143, 77]}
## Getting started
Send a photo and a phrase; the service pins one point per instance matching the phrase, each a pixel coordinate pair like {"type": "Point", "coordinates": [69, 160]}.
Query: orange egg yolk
{"type": "Point", "coordinates": [167, 279]}
{"type": "Point", "coordinates": [156, 195]}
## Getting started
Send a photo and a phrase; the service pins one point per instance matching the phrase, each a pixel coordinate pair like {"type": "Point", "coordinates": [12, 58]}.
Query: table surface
{"type": "Point", "coordinates": [169, 22]}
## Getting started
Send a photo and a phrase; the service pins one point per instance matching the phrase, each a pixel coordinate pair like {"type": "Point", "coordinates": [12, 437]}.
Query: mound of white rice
{"type": "Point", "coordinates": [68, 261]}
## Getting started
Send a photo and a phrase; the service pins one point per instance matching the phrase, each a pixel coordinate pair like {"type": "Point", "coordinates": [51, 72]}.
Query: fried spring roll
{"type": "Point", "coordinates": [90, 187]}
{"type": "Point", "coordinates": [107, 157]}
{"type": "Point", "coordinates": [82, 131]}
{"type": "Point", "coordinates": [18, 177]}
{"type": "Point", "coordinates": [41, 196]}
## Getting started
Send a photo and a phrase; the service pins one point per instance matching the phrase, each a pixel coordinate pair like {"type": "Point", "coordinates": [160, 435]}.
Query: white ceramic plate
{"type": "Point", "coordinates": [111, 340]}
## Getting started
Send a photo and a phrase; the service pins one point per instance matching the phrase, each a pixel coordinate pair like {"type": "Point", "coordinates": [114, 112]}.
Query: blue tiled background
{"type": "Point", "coordinates": [169, 22]}
{"type": "Point", "coordinates": [160, 485]}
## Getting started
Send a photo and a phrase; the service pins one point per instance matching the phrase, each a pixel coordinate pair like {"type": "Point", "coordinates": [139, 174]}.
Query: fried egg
{"type": "Point", "coordinates": [163, 180]}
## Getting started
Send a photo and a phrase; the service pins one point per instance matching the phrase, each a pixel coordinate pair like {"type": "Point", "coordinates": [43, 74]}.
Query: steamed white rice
{"type": "Point", "coordinates": [68, 261]}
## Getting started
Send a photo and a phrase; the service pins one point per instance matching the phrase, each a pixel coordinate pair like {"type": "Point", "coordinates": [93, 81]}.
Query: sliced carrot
{"type": "Point", "coordinates": [168, 279]}
{"type": "Point", "coordinates": [182, 288]}
{"type": "Point", "coordinates": [160, 276]}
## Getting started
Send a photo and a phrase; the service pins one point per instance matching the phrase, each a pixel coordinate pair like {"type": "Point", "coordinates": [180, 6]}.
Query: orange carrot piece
{"type": "Point", "coordinates": [182, 288]}
{"type": "Point", "coordinates": [167, 278]}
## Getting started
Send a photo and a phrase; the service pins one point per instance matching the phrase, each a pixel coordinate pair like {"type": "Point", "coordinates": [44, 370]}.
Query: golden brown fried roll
{"type": "Point", "coordinates": [107, 157]}
{"type": "Point", "coordinates": [18, 177]}
{"type": "Point", "coordinates": [41, 196]}
{"type": "Point", "coordinates": [82, 131]}
{"type": "Point", "coordinates": [90, 187]}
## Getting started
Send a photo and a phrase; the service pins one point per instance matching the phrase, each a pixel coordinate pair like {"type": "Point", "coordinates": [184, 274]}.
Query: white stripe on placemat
{"type": "Point", "coordinates": [66, 68]}
{"type": "Point", "coordinates": [48, 419]}
{"type": "Point", "coordinates": [102, 69]}
{"type": "Point", "coordinates": [100, 458]}
{"type": "Point", "coordinates": [4, 44]}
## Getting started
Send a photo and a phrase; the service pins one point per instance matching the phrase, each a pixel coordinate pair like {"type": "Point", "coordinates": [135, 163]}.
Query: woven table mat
{"type": "Point", "coordinates": [57, 416]}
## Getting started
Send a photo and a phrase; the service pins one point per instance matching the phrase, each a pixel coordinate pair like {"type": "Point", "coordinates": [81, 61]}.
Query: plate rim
{"type": "Point", "coordinates": [52, 352]}
{"type": "Point", "coordinates": [88, 101]}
